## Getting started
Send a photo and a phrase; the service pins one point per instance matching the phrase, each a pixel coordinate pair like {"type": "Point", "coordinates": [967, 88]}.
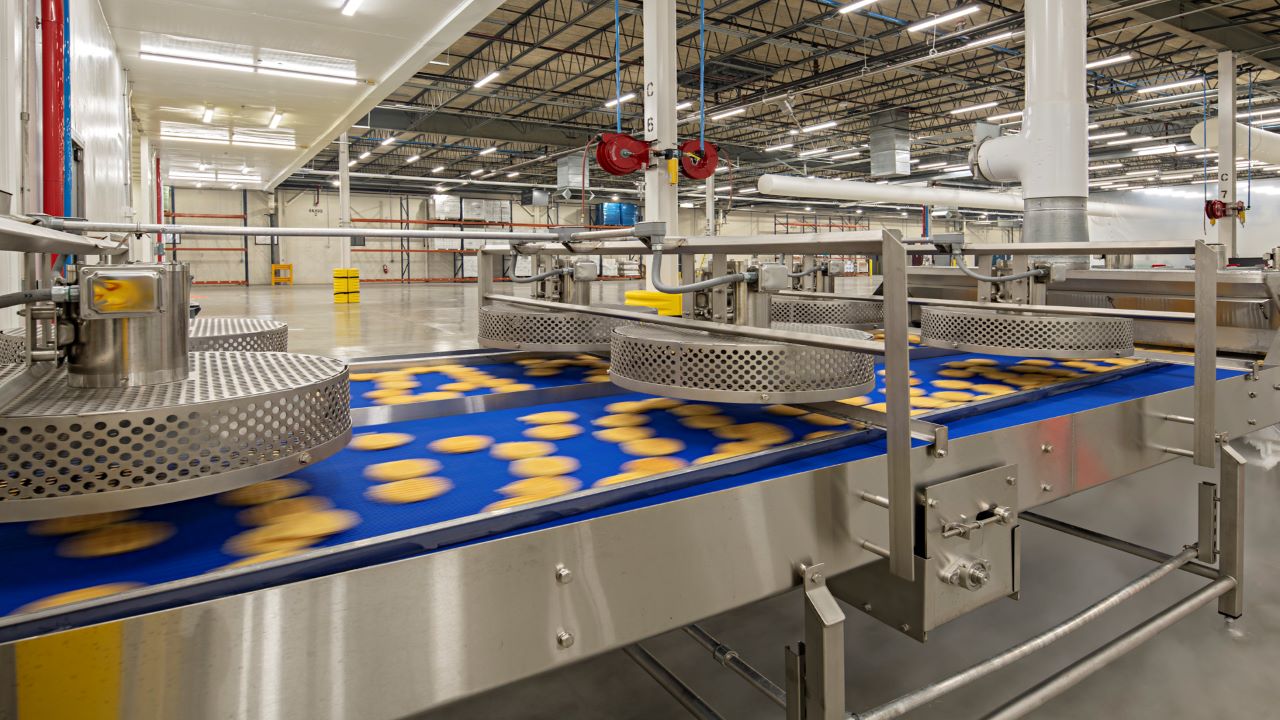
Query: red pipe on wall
{"type": "Point", "coordinates": [54, 155]}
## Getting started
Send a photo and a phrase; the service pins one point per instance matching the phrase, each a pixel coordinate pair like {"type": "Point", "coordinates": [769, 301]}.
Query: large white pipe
{"type": "Point", "coordinates": [1050, 157]}
{"type": "Point", "coordinates": [1265, 144]}
{"type": "Point", "coordinates": [799, 187]}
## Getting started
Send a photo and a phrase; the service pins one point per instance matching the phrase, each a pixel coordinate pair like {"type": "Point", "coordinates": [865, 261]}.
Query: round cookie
{"type": "Point", "coordinates": [263, 492]}
{"type": "Point", "coordinates": [989, 389]}
{"type": "Point", "coordinates": [956, 373]}
{"type": "Point", "coordinates": [598, 379]}
{"type": "Point", "coordinates": [398, 384]}
{"type": "Point", "coordinates": [738, 447]}
{"type": "Point", "coordinates": [542, 372]}
{"type": "Point", "coordinates": [364, 376]}
{"type": "Point", "coordinates": [379, 441]}
{"type": "Point", "coordinates": [401, 469]}
{"type": "Point", "coordinates": [627, 407]}
{"type": "Point", "coordinates": [522, 450]}
{"type": "Point", "coordinates": [953, 396]}
{"type": "Point", "coordinates": [653, 465]}
{"type": "Point", "coordinates": [280, 509]}
{"type": "Point", "coordinates": [622, 420]}
{"type": "Point", "coordinates": [551, 417]}
{"type": "Point", "coordinates": [760, 433]}
{"type": "Point", "coordinates": [819, 434]}
{"type": "Point", "coordinates": [116, 539]}
{"type": "Point", "coordinates": [706, 422]}
{"type": "Point", "coordinates": [74, 596]}
{"type": "Point", "coordinates": [401, 492]}
{"type": "Point", "coordinates": [383, 394]}
{"type": "Point", "coordinates": [662, 403]}
{"type": "Point", "coordinates": [652, 446]}
{"type": "Point", "coordinates": [563, 431]}
{"type": "Point", "coordinates": [544, 466]}
{"type": "Point", "coordinates": [1036, 362]}
{"type": "Point", "coordinates": [859, 401]}
{"type": "Point", "coordinates": [517, 387]}
{"type": "Point", "coordinates": [623, 434]}
{"type": "Point", "coordinates": [541, 487]}
{"type": "Point", "coordinates": [79, 523]}
{"type": "Point", "coordinates": [457, 386]}
{"type": "Point", "coordinates": [824, 420]}
{"type": "Point", "coordinates": [459, 444]}
{"type": "Point", "coordinates": [620, 478]}
{"type": "Point", "coordinates": [788, 411]}
{"type": "Point", "coordinates": [952, 384]}
{"type": "Point", "coordinates": [692, 410]}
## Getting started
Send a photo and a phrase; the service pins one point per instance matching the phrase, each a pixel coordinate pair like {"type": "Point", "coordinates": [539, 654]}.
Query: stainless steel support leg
{"type": "Point", "coordinates": [1207, 522]}
{"type": "Point", "coordinates": [687, 698]}
{"type": "Point", "coordinates": [823, 679]}
{"type": "Point", "coordinates": [484, 280]}
{"type": "Point", "coordinates": [1231, 529]}
{"type": "Point", "coordinates": [794, 666]}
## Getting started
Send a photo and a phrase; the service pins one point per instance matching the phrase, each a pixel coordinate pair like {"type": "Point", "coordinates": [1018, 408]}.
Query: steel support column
{"type": "Point", "coordinates": [660, 191]}
{"type": "Point", "coordinates": [1227, 148]}
{"type": "Point", "coordinates": [344, 197]}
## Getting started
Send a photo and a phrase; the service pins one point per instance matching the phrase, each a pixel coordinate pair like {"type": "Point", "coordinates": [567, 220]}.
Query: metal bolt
{"type": "Point", "coordinates": [304, 458]}
{"type": "Point", "coordinates": [866, 607]}
{"type": "Point", "coordinates": [1046, 487]}
{"type": "Point", "coordinates": [940, 453]}
{"type": "Point", "coordinates": [1011, 480]}
{"type": "Point", "coordinates": [1253, 394]}
{"type": "Point", "coordinates": [933, 502]}
{"type": "Point", "coordinates": [564, 575]}
{"type": "Point", "coordinates": [1047, 448]}
{"type": "Point", "coordinates": [816, 579]}
{"type": "Point", "coordinates": [1252, 421]}
{"type": "Point", "coordinates": [564, 639]}
{"type": "Point", "coordinates": [906, 627]}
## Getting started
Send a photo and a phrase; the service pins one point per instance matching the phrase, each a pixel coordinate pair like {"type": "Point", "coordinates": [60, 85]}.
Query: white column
{"type": "Point", "coordinates": [1227, 147]}
{"type": "Point", "coordinates": [344, 198]}
{"type": "Point", "coordinates": [660, 198]}
{"type": "Point", "coordinates": [144, 210]}
{"type": "Point", "coordinates": [711, 205]}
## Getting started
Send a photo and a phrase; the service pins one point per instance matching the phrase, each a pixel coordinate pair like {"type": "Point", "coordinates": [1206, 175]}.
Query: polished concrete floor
{"type": "Point", "coordinates": [1203, 667]}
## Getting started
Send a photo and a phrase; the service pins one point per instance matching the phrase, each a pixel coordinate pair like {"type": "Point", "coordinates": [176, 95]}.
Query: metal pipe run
{"type": "Point", "coordinates": [1109, 653]}
{"type": "Point", "coordinates": [960, 263]}
{"type": "Point", "coordinates": [1146, 553]}
{"type": "Point", "coordinates": [729, 658]}
{"type": "Point", "coordinates": [768, 334]}
{"type": "Point", "coordinates": [622, 232]}
{"type": "Point", "coordinates": [911, 701]}
{"type": "Point", "coordinates": [148, 228]}
{"type": "Point", "coordinates": [687, 698]}
{"type": "Point", "coordinates": [655, 277]}
{"type": "Point", "coordinates": [542, 276]}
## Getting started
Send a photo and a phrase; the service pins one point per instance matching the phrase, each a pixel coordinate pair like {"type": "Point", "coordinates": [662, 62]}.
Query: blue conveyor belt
{"type": "Point", "coordinates": [33, 569]}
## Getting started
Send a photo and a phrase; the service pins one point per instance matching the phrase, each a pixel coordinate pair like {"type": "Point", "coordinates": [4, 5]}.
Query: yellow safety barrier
{"type": "Point", "coordinates": [346, 285]}
{"type": "Point", "coordinates": [282, 273]}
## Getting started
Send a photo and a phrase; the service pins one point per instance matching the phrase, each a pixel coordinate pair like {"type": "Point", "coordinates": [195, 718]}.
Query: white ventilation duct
{"type": "Point", "coordinates": [1050, 157]}
{"type": "Point", "coordinates": [791, 186]}
{"type": "Point", "coordinates": [1265, 145]}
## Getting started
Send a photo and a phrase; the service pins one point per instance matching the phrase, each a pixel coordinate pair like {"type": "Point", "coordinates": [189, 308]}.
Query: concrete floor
{"type": "Point", "coordinates": [1203, 667]}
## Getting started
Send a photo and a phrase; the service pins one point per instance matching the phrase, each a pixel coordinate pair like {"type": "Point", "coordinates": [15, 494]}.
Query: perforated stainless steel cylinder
{"type": "Point", "coordinates": [238, 333]}
{"type": "Point", "coordinates": [518, 328]}
{"type": "Point", "coordinates": [1008, 332]}
{"type": "Point", "coordinates": [696, 365]}
{"type": "Point", "coordinates": [845, 312]}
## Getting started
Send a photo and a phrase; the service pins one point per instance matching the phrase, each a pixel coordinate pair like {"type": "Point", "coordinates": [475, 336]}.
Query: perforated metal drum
{"type": "Point", "coordinates": [238, 418]}
{"type": "Point", "coordinates": [512, 328]}
{"type": "Point", "coordinates": [843, 312]}
{"type": "Point", "coordinates": [1026, 334]}
{"type": "Point", "coordinates": [239, 333]}
{"type": "Point", "coordinates": [696, 365]}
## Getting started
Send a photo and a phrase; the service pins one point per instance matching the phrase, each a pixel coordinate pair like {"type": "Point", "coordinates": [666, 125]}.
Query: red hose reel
{"type": "Point", "coordinates": [697, 163]}
{"type": "Point", "coordinates": [621, 154]}
{"type": "Point", "coordinates": [1216, 210]}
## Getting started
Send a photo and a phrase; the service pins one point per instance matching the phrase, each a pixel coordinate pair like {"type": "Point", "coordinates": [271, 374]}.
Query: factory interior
{"type": "Point", "coordinates": [639, 359]}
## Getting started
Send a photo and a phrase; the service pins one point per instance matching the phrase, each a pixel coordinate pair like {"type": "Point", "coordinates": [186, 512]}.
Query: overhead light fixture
{"type": "Point", "coordinates": [1093, 126]}
{"type": "Point", "coordinates": [820, 126]}
{"type": "Point", "coordinates": [440, 188]}
{"type": "Point", "coordinates": [990, 40]}
{"type": "Point", "coordinates": [276, 118]}
{"type": "Point", "coordinates": [335, 183]}
{"type": "Point", "coordinates": [202, 167]}
{"type": "Point", "coordinates": [776, 148]}
{"type": "Point", "coordinates": [748, 191]}
{"type": "Point", "coordinates": [932, 166]}
{"type": "Point", "coordinates": [489, 150]}
{"type": "Point", "coordinates": [815, 151]}
{"type": "Point", "coordinates": [350, 7]}
{"type": "Point", "coordinates": [438, 168]}
{"type": "Point", "coordinates": [1170, 86]}
{"type": "Point", "coordinates": [944, 18]}
{"type": "Point", "coordinates": [1259, 113]}
{"type": "Point", "coordinates": [684, 105]}
{"type": "Point", "coordinates": [244, 169]}
{"type": "Point", "coordinates": [339, 79]}
{"type": "Point", "coordinates": [487, 79]}
{"type": "Point", "coordinates": [728, 113]}
{"type": "Point", "coordinates": [388, 141]}
{"type": "Point", "coordinates": [1141, 173]}
{"type": "Point", "coordinates": [686, 205]}
{"type": "Point", "coordinates": [1108, 135]}
{"type": "Point", "coordinates": [1156, 150]}
{"type": "Point", "coordinates": [235, 186]}
{"type": "Point", "coordinates": [351, 164]}
{"type": "Point", "coordinates": [1106, 166]}
{"type": "Point", "coordinates": [196, 62]}
{"type": "Point", "coordinates": [625, 98]}
{"type": "Point", "coordinates": [207, 116]}
{"type": "Point", "coordinates": [614, 198]}
{"type": "Point", "coordinates": [437, 62]}
{"type": "Point", "coordinates": [412, 159]}
{"type": "Point", "coordinates": [1131, 140]}
{"type": "Point", "coordinates": [513, 174]}
{"type": "Point", "coordinates": [1005, 116]}
{"type": "Point", "coordinates": [477, 171]}
{"type": "Point", "coordinates": [856, 6]}
{"type": "Point", "coordinates": [846, 156]}
{"type": "Point", "coordinates": [199, 185]}
{"type": "Point", "coordinates": [365, 154]}
{"type": "Point", "coordinates": [974, 108]}
{"type": "Point", "coordinates": [1113, 60]}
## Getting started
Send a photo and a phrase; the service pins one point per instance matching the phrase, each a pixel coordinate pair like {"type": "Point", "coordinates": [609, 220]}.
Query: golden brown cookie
{"type": "Point", "coordinates": [116, 539]}
{"type": "Point", "coordinates": [280, 509]}
{"type": "Point", "coordinates": [653, 465]}
{"type": "Point", "coordinates": [621, 420]}
{"type": "Point", "coordinates": [379, 441]}
{"type": "Point", "coordinates": [401, 492]}
{"type": "Point", "coordinates": [263, 492]}
{"type": "Point", "coordinates": [550, 417]}
{"type": "Point", "coordinates": [652, 446]}
{"type": "Point", "coordinates": [706, 422]}
{"type": "Point", "coordinates": [692, 410]}
{"type": "Point", "coordinates": [545, 466]}
{"type": "Point", "coordinates": [563, 431]}
{"type": "Point", "coordinates": [459, 444]}
{"type": "Point", "coordinates": [623, 434]}
{"type": "Point", "coordinates": [79, 523]}
{"type": "Point", "coordinates": [542, 486]}
{"type": "Point", "coordinates": [74, 596]}
{"type": "Point", "coordinates": [401, 469]}
{"type": "Point", "coordinates": [521, 450]}
{"type": "Point", "coordinates": [620, 478]}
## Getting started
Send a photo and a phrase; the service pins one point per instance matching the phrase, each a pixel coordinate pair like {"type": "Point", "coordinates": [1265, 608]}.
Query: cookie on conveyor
{"type": "Point", "coordinates": [116, 539]}
{"type": "Point", "coordinates": [263, 492]}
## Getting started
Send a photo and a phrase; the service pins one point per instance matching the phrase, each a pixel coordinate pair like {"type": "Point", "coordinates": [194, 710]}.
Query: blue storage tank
{"type": "Point", "coordinates": [614, 213]}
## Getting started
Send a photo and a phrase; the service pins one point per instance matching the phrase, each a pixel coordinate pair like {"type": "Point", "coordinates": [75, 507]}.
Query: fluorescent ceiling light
{"type": "Point", "coordinates": [365, 154]}
{"type": "Point", "coordinates": [335, 183]}
{"type": "Point", "coordinates": [179, 60]}
{"type": "Point", "coordinates": [388, 141]}
{"type": "Point", "coordinates": [350, 7]}
{"type": "Point", "coordinates": [776, 148]}
{"type": "Point", "coordinates": [990, 40]}
{"type": "Point", "coordinates": [846, 156]}
{"type": "Point", "coordinates": [438, 168]}
{"type": "Point", "coordinates": [1005, 116]}
{"type": "Point", "coordinates": [437, 62]}
{"type": "Point", "coordinates": [931, 166]}
{"type": "Point", "coordinates": [1141, 173]}
{"type": "Point", "coordinates": [202, 167]}
{"type": "Point", "coordinates": [686, 205]}
{"type": "Point", "coordinates": [1106, 166]}
{"type": "Point", "coordinates": [1113, 60]}
{"type": "Point", "coordinates": [1131, 140]}
{"type": "Point", "coordinates": [1258, 113]}
{"type": "Point", "coordinates": [513, 174]}
{"type": "Point", "coordinates": [748, 191]}
{"type": "Point", "coordinates": [1108, 135]}
{"type": "Point", "coordinates": [477, 171]}
{"type": "Point", "coordinates": [489, 150]}
{"type": "Point", "coordinates": [487, 79]}
{"type": "Point", "coordinates": [339, 79]}
{"type": "Point", "coordinates": [973, 108]}
{"type": "Point", "coordinates": [684, 105]}
{"type": "Point", "coordinates": [944, 18]}
{"type": "Point", "coordinates": [1156, 150]}
{"type": "Point", "coordinates": [413, 159]}
{"type": "Point", "coordinates": [728, 113]}
{"type": "Point", "coordinates": [955, 168]}
{"type": "Point", "coordinates": [351, 164]}
{"type": "Point", "coordinates": [1093, 126]}
{"type": "Point", "coordinates": [244, 170]}
{"type": "Point", "coordinates": [207, 115]}
{"type": "Point", "coordinates": [276, 118]}
{"type": "Point", "coordinates": [815, 151]}
{"type": "Point", "coordinates": [199, 185]}
{"type": "Point", "coordinates": [856, 6]}
{"type": "Point", "coordinates": [1170, 86]}
{"type": "Point", "coordinates": [624, 98]}
{"type": "Point", "coordinates": [820, 126]}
